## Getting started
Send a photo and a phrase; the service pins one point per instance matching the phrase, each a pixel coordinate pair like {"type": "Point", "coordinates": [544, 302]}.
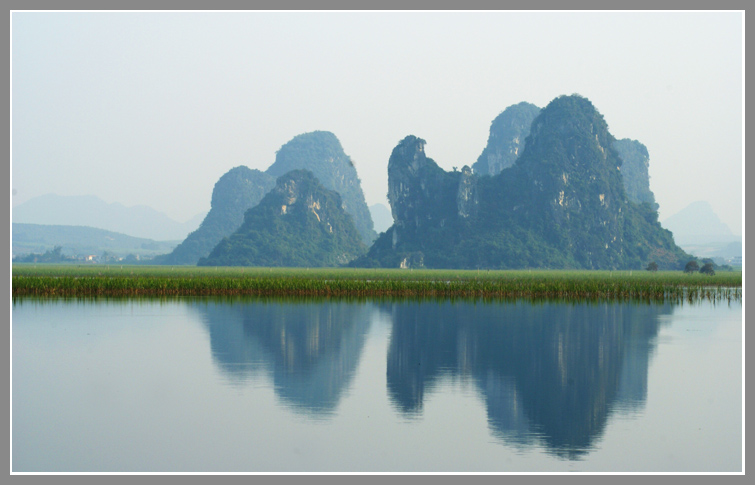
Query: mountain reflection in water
{"type": "Point", "coordinates": [550, 374]}
{"type": "Point", "coordinates": [310, 348]}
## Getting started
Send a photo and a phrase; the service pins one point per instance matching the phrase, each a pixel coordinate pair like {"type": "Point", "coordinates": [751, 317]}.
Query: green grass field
{"type": "Point", "coordinates": [134, 281]}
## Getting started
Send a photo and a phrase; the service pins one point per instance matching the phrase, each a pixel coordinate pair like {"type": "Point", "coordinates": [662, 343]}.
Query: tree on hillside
{"type": "Point", "coordinates": [652, 266]}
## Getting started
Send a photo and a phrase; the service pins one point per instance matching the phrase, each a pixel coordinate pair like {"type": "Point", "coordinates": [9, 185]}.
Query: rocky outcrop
{"type": "Point", "coordinates": [562, 204]}
{"type": "Point", "coordinates": [466, 195]}
{"type": "Point", "coordinates": [299, 223]}
{"type": "Point", "coordinates": [420, 193]}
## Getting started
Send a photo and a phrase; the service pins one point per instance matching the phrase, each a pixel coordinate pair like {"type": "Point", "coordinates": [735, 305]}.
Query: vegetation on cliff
{"type": "Point", "coordinates": [299, 223]}
{"type": "Point", "coordinates": [321, 153]}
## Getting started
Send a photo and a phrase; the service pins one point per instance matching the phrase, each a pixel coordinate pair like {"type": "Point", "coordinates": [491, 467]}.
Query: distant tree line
{"type": "Point", "coordinates": [56, 255]}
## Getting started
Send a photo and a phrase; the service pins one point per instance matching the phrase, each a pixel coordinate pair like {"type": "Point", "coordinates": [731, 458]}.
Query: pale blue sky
{"type": "Point", "coordinates": [152, 108]}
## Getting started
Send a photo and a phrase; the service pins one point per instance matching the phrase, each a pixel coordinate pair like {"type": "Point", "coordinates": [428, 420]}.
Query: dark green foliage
{"type": "Point", "coordinates": [708, 269]}
{"type": "Point", "coordinates": [236, 191]}
{"type": "Point", "coordinates": [298, 224]}
{"type": "Point", "coordinates": [691, 266]}
{"type": "Point", "coordinates": [561, 205]}
{"type": "Point", "coordinates": [652, 266]}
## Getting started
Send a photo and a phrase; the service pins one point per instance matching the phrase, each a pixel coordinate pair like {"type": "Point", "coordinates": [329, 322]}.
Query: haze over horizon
{"type": "Point", "coordinates": [145, 108]}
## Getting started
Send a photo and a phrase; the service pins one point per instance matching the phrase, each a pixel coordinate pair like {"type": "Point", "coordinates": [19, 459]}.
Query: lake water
{"type": "Point", "coordinates": [270, 385]}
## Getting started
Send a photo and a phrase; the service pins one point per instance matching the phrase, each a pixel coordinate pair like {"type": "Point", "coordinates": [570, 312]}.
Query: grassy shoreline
{"type": "Point", "coordinates": [142, 281]}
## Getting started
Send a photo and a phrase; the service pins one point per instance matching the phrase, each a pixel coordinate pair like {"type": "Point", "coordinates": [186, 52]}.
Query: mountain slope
{"type": "Point", "coordinates": [237, 190]}
{"type": "Point", "coordinates": [298, 224]}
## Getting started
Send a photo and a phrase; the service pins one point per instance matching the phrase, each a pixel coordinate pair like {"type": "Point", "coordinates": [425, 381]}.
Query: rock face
{"type": "Point", "coordinates": [242, 188]}
{"type": "Point", "coordinates": [561, 205]}
{"type": "Point", "coordinates": [508, 133]}
{"type": "Point", "coordinates": [421, 194]}
{"type": "Point", "coordinates": [634, 170]}
{"type": "Point", "coordinates": [299, 223]}
{"type": "Point", "coordinates": [236, 191]}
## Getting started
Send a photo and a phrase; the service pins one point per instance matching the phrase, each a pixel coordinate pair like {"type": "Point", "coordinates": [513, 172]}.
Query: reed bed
{"type": "Point", "coordinates": [160, 281]}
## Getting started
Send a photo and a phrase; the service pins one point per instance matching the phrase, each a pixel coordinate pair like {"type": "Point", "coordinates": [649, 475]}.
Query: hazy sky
{"type": "Point", "coordinates": [152, 108]}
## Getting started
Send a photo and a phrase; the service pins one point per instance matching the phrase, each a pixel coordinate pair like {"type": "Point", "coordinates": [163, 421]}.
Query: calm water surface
{"type": "Point", "coordinates": [255, 385]}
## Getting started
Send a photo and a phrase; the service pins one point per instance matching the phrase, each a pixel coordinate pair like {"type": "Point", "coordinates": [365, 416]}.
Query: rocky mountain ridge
{"type": "Point", "coordinates": [562, 204]}
{"type": "Point", "coordinates": [242, 188]}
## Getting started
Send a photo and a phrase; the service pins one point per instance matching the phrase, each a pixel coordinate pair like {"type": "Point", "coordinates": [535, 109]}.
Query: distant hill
{"type": "Point", "coordinates": [82, 241]}
{"type": "Point", "coordinates": [698, 224]}
{"type": "Point", "coordinates": [699, 230]}
{"type": "Point", "coordinates": [299, 223]}
{"type": "Point", "coordinates": [381, 217]}
{"type": "Point", "coordinates": [88, 210]}
{"type": "Point", "coordinates": [562, 204]}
